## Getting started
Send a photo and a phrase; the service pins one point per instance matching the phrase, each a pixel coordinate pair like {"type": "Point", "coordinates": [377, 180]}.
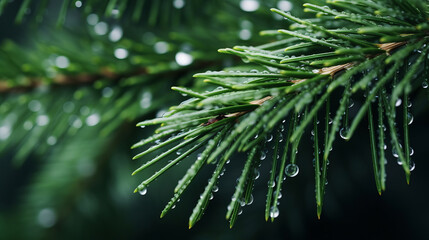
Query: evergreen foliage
{"type": "Point", "coordinates": [377, 55]}
{"type": "Point", "coordinates": [68, 96]}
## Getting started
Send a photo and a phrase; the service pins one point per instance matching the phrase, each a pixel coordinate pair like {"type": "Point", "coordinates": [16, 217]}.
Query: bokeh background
{"type": "Point", "coordinates": [76, 89]}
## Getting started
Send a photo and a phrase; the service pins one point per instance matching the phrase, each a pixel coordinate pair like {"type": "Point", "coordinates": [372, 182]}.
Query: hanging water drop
{"type": "Point", "coordinates": [395, 154]}
{"type": "Point", "coordinates": [410, 118]}
{"type": "Point", "coordinates": [270, 138]}
{"type": "Point", "coordinates": [143, 191]}
{"type": "Point", "coordinates": [412, 165]}
{"type": "Point", "coordinates": [250, 201]}
{"type": "Point", "coordinates": [274, 212]}
{"type": "Point", "coordinates": [425, 84]}
{"type": "Point", "coordinates": [263, 155]}
{"type": "Point", "coordinates": [256, 174]}
{"type": "Point", "coordinates": [399, 161]}
{"type": "Point", "coordinates": [292, 170]}
{"type": "Point", "coordinates": [411, 151]}
{"type": "Point", "coordinates": [398, 102]}
{"type": "Point", "coordinates": [343, 133]}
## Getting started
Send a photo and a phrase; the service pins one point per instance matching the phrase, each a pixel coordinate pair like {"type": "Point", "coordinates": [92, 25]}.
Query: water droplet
{"type": "Point", "coordinates": [271, 184]}
{"type": "Point", "coordinates": [284, 5]}
{"type": "Point", "coordinates": [249, 5]}
{"type": "Point", "coordinates": [215, 188]}
{"type": "Point", "coordinates": [254, 71]}
{"type": "Point", "coordinates": [411, 151]}
{"type": "Point", "coordinates": [263, 156]}
{"type": "Point", "coordinates": [92, 19]}
{"type": "Point", "coordinates": [161, 47]}
{"type": "Point", "coordinates": [245, 34]}
{"type": "Point", "coordinates": [398, 102]}
{"type": "Point", "coordinates": [107, 92]}
{"type": "Point", "coordinates": [343, 133]}
{"type": "Point", "coordinates": [412, 165]}
{"type": "Point", "coordinates": [78, 4]}
{"type": "Point", "coordinates": [62, 62]}
{"type": "Point", "coordinates": [121, 53]}
{"type": "Point", "coordinates": [146, 100]}
{"type": "Point", "coordinates": [116, 34]}
{"type": "Point", "coordinates": [100, 28]}
{"type": "Point", "coordinates": [351, 102]}
{"type": "Point", "coordinates": [46, 218]}
{"type": "Point", "coordinates": [68, 107]}
{"type": "Point", "coordinates": [274, 212]}
{"type": "Point", "coordinates": [5, 132]}
{"type": "Point", "coordinates": [280, 195]}
{"type": "Point", "coordinates": [76, 123]}
{"type": "Point", "coordinates": [256, 174]}
{"type": "Point", "coordinates": [250, 201]}
{"type": "Point", "coordinates": [28, 125]}
{"type": "Point", "coordinates": [51, 140]}
{"type": "Point", "coordinates": [410, 118]}
{"type": "Point", "coordinates": [184, 59]}
{"type": "Point", "coordinates": [143, 191]}
{"type": "Point", "coordinates": [42, 120]}
{"type": "Point", "coordinates": [34, 105]}
{"type": "Point", "coordinates": [178, 4]}
{"type": "Point", "coordinates": [292, 170]}
{"type": "Point", "coordinates": [85, 110]}
{"type": "Point", "coordinates": [270, 138]}
{"type": "Point", "coordinates": [399, 161]}
{"type": "Point", "coordinates": [92, 119]}
{"type": "Point", "coordinates": [425, 84]}
{"type": "Point", "coordinates": [179, 152]}
{"type": "Point", "coordinates": [394, 152]}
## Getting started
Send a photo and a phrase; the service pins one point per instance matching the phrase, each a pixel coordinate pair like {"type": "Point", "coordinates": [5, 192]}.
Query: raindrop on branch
{"type": "Point", "coordinates": [143, 191]}
{"type": "Point", "coordinates": [410, 118]}
{"type": "Point", "coordinates": [292, 170]}
{"type": "Point", "coordinates": [274, 212]}
{"type": "Point", "coordinates": [343, 133]}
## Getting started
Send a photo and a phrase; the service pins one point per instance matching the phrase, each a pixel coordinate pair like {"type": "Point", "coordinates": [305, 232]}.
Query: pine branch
{"type": "Point", "coordinates": [296, 79]}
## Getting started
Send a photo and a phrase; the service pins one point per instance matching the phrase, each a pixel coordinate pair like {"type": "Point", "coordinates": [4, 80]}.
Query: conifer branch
{"type": "Point", "coordinates": [291, 81]}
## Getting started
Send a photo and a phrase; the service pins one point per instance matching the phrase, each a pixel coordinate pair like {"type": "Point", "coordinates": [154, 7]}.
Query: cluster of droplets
{"type": "Point", "coordinates": [395, 154]}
